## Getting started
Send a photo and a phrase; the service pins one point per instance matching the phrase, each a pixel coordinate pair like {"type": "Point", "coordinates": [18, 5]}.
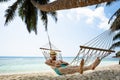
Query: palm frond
{"type": "Point", "coordinates": [54, 15]}
{"type": "Point", "coordinates": [4, 0]}
{"type": "Point", "coordinates": [107, 4]}
{"type": "Point", "coordinates": [10, 12]}
{"type": "Point", "coordinates": [21, 12]}
{"type": "Point", "coordinates": [118, 54]}
{"type": "Point", "coordinates": [117, 36]}
{"type": "Point", "coordinates": [117, 44]}
{"type": "Point", "coordinates": [110, 3]}
{"type": "Point", "coordinates": [98, 5]}
{"type": "Point", "coordinates": [43, 14]}
{"type": "Point", "coordinates": [117, 13]}
{"type": "Point", "coordinates": [28, 14]}
{"type": "Point", "coordinates": [116, 24]}
{"type": "Point", "coordinates": [42, 1]}
{"type": "Point", "coordinates": [44, 18]}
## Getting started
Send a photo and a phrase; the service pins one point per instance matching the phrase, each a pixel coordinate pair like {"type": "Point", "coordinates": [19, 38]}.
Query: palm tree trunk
{"type": "Point", "coordinates": [66, 4]}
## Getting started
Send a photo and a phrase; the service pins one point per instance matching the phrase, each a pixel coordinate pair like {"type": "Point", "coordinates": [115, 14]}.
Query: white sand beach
{"type": "Point", "coordinates": [111, 72]}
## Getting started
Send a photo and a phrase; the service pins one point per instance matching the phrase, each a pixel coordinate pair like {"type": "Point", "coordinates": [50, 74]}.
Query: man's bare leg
{"type": "Point", "coordinates": [93, 65]}
{"type": "Point", "coordinates": [96, 63]}
{"type": "Point", "coordinates": [81, 66]}
{"type": "Point", "coordinates": [69, 69]}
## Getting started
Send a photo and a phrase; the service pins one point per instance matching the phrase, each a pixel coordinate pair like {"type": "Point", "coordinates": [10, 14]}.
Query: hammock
{"type": "Point", "coordinates": [97, 47]}
{"type": "Point", "coordinates": [66, 4]}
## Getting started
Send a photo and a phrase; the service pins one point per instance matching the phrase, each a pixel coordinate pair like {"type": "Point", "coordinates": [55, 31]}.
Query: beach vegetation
{"type": "Point", "coordinates": [28, 13]}
{"type": "Point", "coordinates": [115, 26]}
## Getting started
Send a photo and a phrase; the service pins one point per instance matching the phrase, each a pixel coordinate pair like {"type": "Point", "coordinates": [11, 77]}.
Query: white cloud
{"type": "Point", "coordinates": [88, 15]}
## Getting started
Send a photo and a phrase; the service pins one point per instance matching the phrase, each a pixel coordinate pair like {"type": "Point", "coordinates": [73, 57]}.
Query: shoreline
{"type": "Point", "coordinates": [110, 72]}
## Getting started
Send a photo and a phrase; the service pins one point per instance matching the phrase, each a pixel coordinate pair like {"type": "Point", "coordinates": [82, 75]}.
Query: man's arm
{"type": "Point", "coordinates": [48, 62]}
{"type": "Point", "coordinates": [64, 62]}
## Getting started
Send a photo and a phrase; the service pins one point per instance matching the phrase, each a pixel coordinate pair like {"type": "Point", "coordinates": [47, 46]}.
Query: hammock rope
{"type": "Point", "coordinates": [97, 47]}
{"type": "Point", "coordinates": [48, 47]}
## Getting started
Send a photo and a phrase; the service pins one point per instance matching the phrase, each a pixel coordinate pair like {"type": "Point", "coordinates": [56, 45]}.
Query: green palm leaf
{"type": "Point", "coordinates": [118, 54]}
{"type": "Point", "coordinates": [10, 12]}
{"type": "Point", "coordinates": [117, 44]}
{"type": "Point", "coordinates": [28, 13]}
{"type": "Point", "coordinates": [54, 15]}
{"type": "Point", "coordinates": [117, 13]}
{"type": "Point", "coordinates": [110, 3]}
{"type": "Point", "coordinates": [116, 24]}
{"type": "Point", "coordinates": [4, 0]}
{"type": "Point", "coordinates": [44, 18]}
{"type": "Point", "coordinates": [43, 14]}
{"type": "Point", "coordinates": [117, 36]}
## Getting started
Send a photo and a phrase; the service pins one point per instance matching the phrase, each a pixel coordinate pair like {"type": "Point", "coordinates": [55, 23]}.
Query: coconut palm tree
{"type": "Point", "coordinates": [28, 13]}
{"type": "Point", "coordinates": [116, 27]}
{"type": "Point", "coordinates": [66, 4]}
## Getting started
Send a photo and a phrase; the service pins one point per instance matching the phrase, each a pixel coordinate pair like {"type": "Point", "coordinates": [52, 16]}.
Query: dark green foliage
{"type": "Point", "coordinates": [117, 44]}
{"type": "Point", "coordinates": [115, 25]}
{"type": "Point", "coordinates": [117, 36]}
{"type": "Point", "coordinates": [28, 13]}
{"type": "Point", "coordinates": [4, 0]}
{"type": "Point", "coordinates": [44, 18]}
{"type": "Point", "coordinates": [110, 3]}
{"type": "Point", "coordinates": [117, 13]}
{"type": "Point", "coordinates": [107, 4]}
{"type": "Point", "coordinates": [10, 12]}
{"type": "Point", "coordinates": [118, 54]}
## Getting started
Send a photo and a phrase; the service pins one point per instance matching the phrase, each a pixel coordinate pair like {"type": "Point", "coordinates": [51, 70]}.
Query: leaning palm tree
{"type": "Point", "coordinates": [28, 13]}
{"type": "Point", "coordinates": [67, 4]}
{"type": "Point", "coordinates": [116, 27]}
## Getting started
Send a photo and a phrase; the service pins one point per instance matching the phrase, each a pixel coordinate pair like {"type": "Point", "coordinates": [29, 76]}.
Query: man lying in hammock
{"type": "Point", "coordinates": [62, 67]}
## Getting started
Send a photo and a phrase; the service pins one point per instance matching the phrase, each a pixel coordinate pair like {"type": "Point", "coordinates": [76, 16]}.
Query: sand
{"type": "Point", "coordinates": [111, 72]}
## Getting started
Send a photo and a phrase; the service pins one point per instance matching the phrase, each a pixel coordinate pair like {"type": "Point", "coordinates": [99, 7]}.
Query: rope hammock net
{"type": "Point", "coordinates": [97, 47]}
{"type": "Point", "coordinates": [46, 49]}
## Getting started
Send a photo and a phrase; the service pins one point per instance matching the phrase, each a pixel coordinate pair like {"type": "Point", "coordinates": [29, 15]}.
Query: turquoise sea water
{"type": "Point", "coordinates": [35, 64]}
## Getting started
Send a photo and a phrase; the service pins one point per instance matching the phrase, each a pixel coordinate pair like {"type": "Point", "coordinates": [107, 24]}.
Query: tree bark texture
{"type": "Point", "coordinates": [66, 4]}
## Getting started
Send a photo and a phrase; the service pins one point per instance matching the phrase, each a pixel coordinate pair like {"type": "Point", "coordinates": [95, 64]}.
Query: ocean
{"type": "Point", "coordinates": [10, 65]}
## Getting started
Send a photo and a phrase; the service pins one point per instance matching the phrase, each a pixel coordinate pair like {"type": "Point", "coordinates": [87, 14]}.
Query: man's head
{"type": "Point", "coordinates": [53, 55]}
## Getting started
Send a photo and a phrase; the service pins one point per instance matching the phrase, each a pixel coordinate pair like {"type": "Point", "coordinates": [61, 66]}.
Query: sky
{"type": "Point", "coordinates": [74, 27]}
